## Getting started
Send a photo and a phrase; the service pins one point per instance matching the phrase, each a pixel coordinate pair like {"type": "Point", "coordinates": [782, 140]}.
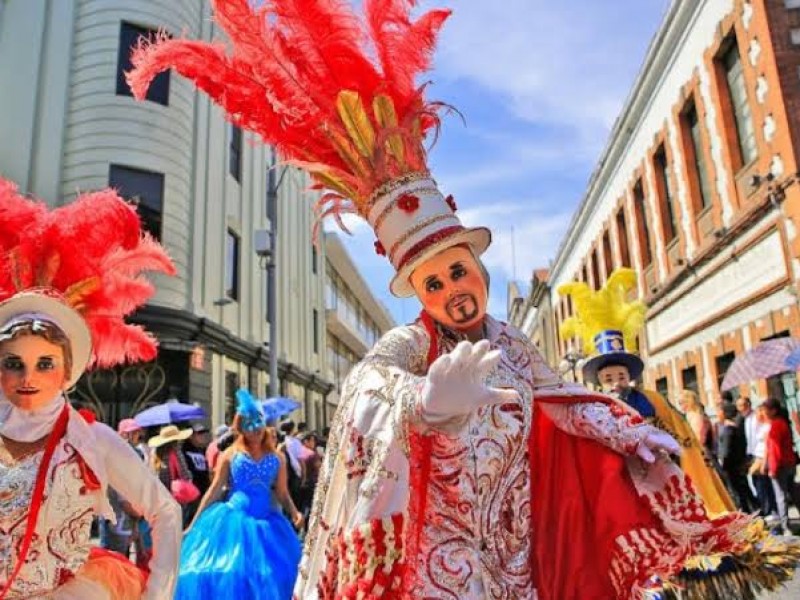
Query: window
{"type": "Point", "coordinates": [622, 236]}
{"type": "Point", "coordinates": [585, 273]}
{"type": "Point", "coordinates": [739, 106]}
{"type": "Point", "coordinates": [607, 258]}
{"type": "Point", "coordinates": [235, 157]}
{"type": "Point", "coordinates": [662, 387]}
{"type": "Point", "coordinates": [232, 266]}
{"type": "Point", "coordinates": [642, 226]}
{"type": "Point", "coordinates": [316, 330]}
{"type": "Point", "coordinates": [696, 155]}
{"type": "Point", "coordinates": [669, 224]}
{"type": "Point", "coordinates": [689, 379]}
{"type": "Point", "coordinates": [128, 38]}
{"type": "Point", "coordinates": [143, 188]}
{"type": "Point", "coordinates": [231, 385]}
{"type": "Point", "coordinates": [595, 260]}
{"type": "Point", "coordinates": [724, 362]}
{"type": "Point", "coordinates": [313, 258]}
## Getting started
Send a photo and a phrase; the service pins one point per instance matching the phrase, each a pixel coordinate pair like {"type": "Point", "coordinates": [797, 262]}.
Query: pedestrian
{"type": "Point", "coordinates": [212, 452]}
{"type": "Point", "coordinates": [120, 534]}
{"type": "Point", "coordinates": [732, 456]}
{"type": "Point", "coordinates": [168, 463]}
{"type": "Point", "coordinates": [781, 461]}
{"type": "Point", "coordinates": [758, 470]}
{"type": "Point", "coordinates": [292, 449]}
{"type": "Point", "coordinates": [698, 420]}
{"type": "Point", "coordinates": [194, 454]}
{"type": "Point", "coordinates": [311, 464]}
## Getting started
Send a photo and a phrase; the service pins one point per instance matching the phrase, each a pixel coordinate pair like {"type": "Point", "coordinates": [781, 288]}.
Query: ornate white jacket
{"type": "Point", "coordinates": [61, 543]}
{"type": "Point", "coordinates": [473, 532]}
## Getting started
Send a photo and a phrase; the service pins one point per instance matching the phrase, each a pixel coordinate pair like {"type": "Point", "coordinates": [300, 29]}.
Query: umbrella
{"type": "Point", "coordinates": [765, 360]}
{"type": "Point", "coordinates": [171, 411]}
{"type": "Point", "coordinates": [275, 408]}
{"type": "Point", "coordinates": [793, 360]}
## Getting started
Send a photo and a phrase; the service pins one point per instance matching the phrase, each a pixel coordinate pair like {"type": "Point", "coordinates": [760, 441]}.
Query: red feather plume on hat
{"type": "Point", "coordinates": [333, 91]}
{"type": "Point", "coordinates": [92, 254]}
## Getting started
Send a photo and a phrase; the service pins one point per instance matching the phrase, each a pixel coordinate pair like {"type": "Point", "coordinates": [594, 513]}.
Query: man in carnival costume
{"type": "Point", "coordinates": [607, 323]}
{"type": "Point", "coordinates": [459, 465]}
{"type": "Point", "coordinates": [606, 318]}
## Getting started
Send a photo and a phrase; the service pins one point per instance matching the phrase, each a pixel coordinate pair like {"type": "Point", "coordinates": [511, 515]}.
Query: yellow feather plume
{"type": "Point", "coordinates": [386, 117]}
{"type": "Point", "coordinates": [600, 310]}
{"type": "Point", "coordinates": [356, 121]}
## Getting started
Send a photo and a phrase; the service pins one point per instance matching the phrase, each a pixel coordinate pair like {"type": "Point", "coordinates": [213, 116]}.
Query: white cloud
{"type": "Point", "coordinates": [557, 62]}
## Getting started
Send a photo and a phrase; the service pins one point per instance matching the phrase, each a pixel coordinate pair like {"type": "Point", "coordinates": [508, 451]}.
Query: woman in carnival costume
{"type": "Point", "coordinates": [68, 276]}
{"type": "Point", "coordinates": [459, 465]}
{"type": "Point", "coordinates": [606, 323]}
{"type": "Point", "coordinates": [243, 547]}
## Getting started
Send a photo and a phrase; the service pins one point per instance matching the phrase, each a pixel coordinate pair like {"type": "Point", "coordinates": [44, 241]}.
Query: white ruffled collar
{"type": "Point", "coordinates": [28, 425]}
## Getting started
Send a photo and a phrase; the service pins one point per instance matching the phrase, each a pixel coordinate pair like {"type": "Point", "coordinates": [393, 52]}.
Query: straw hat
{"type": "Point", "coordinates": [168, 434]}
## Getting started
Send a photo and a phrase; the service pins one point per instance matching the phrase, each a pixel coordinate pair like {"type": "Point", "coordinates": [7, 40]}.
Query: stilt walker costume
{"type": "Point", "coordinates": [68, 277]}
{"type": "Point", "coordinates": [459, 466]}
{"type": "Point", "coordinates": [606, 323]}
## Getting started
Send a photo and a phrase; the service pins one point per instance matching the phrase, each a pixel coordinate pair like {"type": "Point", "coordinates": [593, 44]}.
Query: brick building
{"type": "Point", "coordinates": [698, 191]}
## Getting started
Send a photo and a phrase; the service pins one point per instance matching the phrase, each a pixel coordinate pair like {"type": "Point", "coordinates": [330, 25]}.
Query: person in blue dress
{"type": "Point", "coordinates": [243, 547]}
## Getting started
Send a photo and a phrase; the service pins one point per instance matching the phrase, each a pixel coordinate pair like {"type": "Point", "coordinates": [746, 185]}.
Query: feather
{"type": "Point", "coordinates": [321, 83]}
{"type": "Point", "coordinates": [90, 253]}
{"type": "Point", "coordinates": [356, 122]}
{"type": "Point", "coordinates": [404, 47]}
{"type": "Point", "coordinates": [386, 117]}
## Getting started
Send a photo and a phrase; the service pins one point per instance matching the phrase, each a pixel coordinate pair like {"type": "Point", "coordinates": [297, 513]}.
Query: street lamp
{"type": "Point", "coordinates": [266, 247]}
{"type": "Point", "coordinates": [570, 363]}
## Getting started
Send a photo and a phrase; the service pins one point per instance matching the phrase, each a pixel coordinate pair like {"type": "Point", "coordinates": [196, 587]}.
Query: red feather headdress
{"type": "Point", "coordinates": [334, 91]}
{"type": "Point", "coordinates": [91, 255]}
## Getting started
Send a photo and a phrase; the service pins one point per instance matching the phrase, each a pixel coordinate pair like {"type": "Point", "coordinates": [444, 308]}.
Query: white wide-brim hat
{"type": "Point", "coordinates": [30, 306]}
{"type": "Point", "coordinates": [168, 434]}
{"type": "Point", "coordinates": [413, 222]}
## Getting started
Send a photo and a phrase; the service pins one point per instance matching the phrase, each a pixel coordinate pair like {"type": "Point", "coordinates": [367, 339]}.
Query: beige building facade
{"type": "Point", "coordinates": [69, 124]}
{"type": "Point", "coordinates": [698, 191]}
{"type": "Point", "coordinates": [354, 318]}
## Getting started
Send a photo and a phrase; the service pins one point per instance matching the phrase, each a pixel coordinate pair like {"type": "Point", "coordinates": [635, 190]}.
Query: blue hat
{"type": "Point", "coordinates": [250, 411]}
{"type": "Point", "coordinates": [610, 346]}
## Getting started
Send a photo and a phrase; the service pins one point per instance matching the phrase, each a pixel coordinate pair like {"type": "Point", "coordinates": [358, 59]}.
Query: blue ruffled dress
{"type": "Point", "coordinates": [243, 548]}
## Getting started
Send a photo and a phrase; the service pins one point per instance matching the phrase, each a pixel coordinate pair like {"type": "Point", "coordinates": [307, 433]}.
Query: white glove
{"type": "Point", "coordinates": [655, 442]}
{"type": "Point", "coordinates": [456, 386]}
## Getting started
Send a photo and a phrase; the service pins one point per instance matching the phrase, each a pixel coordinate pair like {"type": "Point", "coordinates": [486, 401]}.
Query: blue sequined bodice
{"type": "Point", "coordinates": [251, 483]}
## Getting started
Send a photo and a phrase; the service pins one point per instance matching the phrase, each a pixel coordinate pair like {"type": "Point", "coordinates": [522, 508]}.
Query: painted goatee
{"type": "Point", "coordinates": [462, 308]}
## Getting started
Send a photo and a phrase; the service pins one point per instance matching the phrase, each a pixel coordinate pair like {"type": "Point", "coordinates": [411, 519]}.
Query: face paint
{"type": "Point", "coordinates": [32, 371]}
{"type": "Point", "coordinates": [452, 288]}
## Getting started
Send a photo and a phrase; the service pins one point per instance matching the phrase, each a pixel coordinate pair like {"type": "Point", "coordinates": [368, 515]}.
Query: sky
{"type": "Point", "coordinates": [540, 84]}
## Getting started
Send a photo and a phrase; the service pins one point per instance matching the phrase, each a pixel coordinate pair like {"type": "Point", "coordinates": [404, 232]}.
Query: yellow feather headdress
{"type": "Point", "coordinates": [600, 310]}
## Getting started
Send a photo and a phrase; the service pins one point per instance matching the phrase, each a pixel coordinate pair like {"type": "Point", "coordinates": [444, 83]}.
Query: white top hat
{"type": "Point", "coordinates": [413, 222]}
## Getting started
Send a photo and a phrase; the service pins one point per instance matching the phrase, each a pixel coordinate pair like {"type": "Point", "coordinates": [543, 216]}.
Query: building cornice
{"type": "Point", "coordinates": [673, 29]}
